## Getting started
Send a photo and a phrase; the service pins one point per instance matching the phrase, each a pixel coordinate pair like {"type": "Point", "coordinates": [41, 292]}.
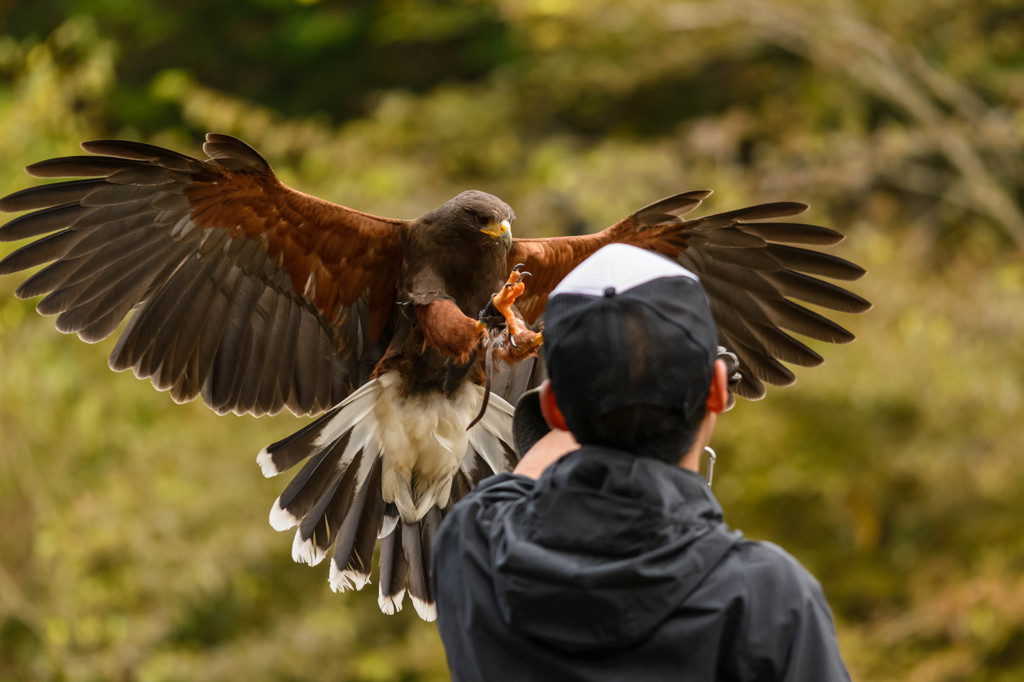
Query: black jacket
{"type": "Point", "coordinates": [615, 567]}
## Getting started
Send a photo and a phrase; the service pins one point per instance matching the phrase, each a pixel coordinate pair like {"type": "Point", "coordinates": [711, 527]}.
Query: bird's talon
{"type": "Point", "coordinates": [522, 345]}
{"type": "Point", "coordinates": [506, 297]}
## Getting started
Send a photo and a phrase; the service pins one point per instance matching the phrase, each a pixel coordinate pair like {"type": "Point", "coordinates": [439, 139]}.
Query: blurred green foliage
{"type": "Point", "coordinates": [135, 543]}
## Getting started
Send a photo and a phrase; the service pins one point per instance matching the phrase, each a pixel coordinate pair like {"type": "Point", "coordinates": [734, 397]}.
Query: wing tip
{"type": "Point", "coordinates": [675, 205]}
{"type": "Point", "coordinates": [233, 153]}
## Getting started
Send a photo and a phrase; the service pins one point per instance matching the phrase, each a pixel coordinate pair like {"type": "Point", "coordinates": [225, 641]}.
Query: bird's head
{"type": "Point", "coordinates": [480, 213]}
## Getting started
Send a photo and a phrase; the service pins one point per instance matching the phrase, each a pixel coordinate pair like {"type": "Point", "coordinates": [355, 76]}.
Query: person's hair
{"type": "Point", "coordinates": [645, 430]}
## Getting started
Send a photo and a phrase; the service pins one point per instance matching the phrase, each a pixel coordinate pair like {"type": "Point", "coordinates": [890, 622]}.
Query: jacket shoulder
{"type": "Point", "coordinates": [786, 630]}
{"type": "Point", "coordinates": [768, 568]}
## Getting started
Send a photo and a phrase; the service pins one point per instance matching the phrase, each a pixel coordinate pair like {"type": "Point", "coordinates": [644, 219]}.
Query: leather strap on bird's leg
{"type": "Point", "coordinates": [488, 368]}
{"type": "Point", "coordinates": [505, 350]}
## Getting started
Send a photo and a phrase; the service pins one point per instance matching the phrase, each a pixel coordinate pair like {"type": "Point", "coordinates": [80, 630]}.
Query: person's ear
{"type": "Point", "coordinates": [549, 408]}
{"type": "Point", "coordinates": [718, 395]}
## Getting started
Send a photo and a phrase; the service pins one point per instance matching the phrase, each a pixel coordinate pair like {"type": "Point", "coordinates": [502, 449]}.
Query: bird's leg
{"type": "Point", "coordinates": [499, 308]}
{"type": "Point", "coordinates": [523, 342]}
{"type": "Point", "coordinates": [508, 294]}
{"type": "Point", "coordinates": [521, 346]}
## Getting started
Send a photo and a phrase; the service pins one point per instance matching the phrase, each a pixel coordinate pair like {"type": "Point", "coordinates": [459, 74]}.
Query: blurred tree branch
{"type": "Point", "coordinates": [839, 40]}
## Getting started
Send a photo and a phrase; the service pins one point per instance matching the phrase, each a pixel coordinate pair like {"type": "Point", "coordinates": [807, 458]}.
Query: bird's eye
{"type": "Point", "coordinates": [483, 219]}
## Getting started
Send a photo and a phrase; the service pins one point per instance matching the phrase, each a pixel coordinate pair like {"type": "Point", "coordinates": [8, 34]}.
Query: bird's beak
{"type": "Point", "coordinates": [500, 232]}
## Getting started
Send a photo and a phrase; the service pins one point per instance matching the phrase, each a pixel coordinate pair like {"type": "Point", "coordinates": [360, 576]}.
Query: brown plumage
{"type": "Point", "coordinates": [259, 298]}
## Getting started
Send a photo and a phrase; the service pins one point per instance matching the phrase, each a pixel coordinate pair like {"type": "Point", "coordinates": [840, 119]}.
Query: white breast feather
{"type": "Point", "coordinates": [423, 438]}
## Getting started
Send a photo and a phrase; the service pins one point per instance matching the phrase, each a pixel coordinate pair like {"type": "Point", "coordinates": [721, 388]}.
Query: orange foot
{"type": "Point", "coordinates": [501, 304]}
{"type": "Point", "coordinates": [503, 300]}
{"type": "Point", "coordinates": [521, 346]}
{"type": "Point", "coordinates": [521, 340]}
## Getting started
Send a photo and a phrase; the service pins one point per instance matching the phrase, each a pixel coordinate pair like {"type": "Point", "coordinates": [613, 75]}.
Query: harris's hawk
{"type": "Point", "coordinates": [258, 297]}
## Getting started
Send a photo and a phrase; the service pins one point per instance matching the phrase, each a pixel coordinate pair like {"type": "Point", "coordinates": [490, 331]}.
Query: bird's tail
{"type": "Point", "coordinates": [389, 467]}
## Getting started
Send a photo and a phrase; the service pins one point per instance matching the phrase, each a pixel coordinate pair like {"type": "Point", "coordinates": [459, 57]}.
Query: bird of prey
{"type": "Point", "coordinates": [258, 297]}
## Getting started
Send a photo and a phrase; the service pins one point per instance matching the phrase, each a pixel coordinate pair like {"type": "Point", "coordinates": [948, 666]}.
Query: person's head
{"type": "Point", "coordinates": [630, 346]}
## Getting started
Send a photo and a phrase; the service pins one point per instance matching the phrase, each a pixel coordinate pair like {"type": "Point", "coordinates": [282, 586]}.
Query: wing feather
{"type": "Point", "coordinates": [302, 290]}
{"type": "Point", "coordinates": [754, 276]}
{"type": "Point", "coordinates": [95, 314]}
{"type": "Point", "coordinates": [127, 256]}
{"type": "Point", "coordinates": [262, 322]}
{"type": "Point", "coordinates": [178, 339]}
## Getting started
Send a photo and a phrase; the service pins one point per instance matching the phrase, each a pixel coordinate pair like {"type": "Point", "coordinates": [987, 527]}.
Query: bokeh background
{"type": "Point", "coordinates": [134, 541]}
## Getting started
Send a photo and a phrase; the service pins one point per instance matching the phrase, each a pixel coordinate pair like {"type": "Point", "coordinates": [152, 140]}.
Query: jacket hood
{"type": "Point", "coordinates": [604, 549]}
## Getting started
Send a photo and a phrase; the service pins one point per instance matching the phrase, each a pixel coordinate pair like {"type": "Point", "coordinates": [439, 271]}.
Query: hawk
{"type": "Point", "coordinates": [258, 298]}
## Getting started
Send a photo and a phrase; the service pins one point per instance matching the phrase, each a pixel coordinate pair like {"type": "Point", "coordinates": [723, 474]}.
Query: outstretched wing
{"type": "Point", "coordinates": [247, 292]}
{"type": "Point", "coordinates": [751, 272]}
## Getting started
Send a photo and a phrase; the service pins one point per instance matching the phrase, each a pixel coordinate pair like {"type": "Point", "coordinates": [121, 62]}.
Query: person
{"type": "Point", "coordinates": [610, 560]}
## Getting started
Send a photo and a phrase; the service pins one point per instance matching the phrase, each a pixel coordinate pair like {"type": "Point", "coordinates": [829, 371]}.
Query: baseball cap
{"type": "Point", "coordinates": [628, 328]}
